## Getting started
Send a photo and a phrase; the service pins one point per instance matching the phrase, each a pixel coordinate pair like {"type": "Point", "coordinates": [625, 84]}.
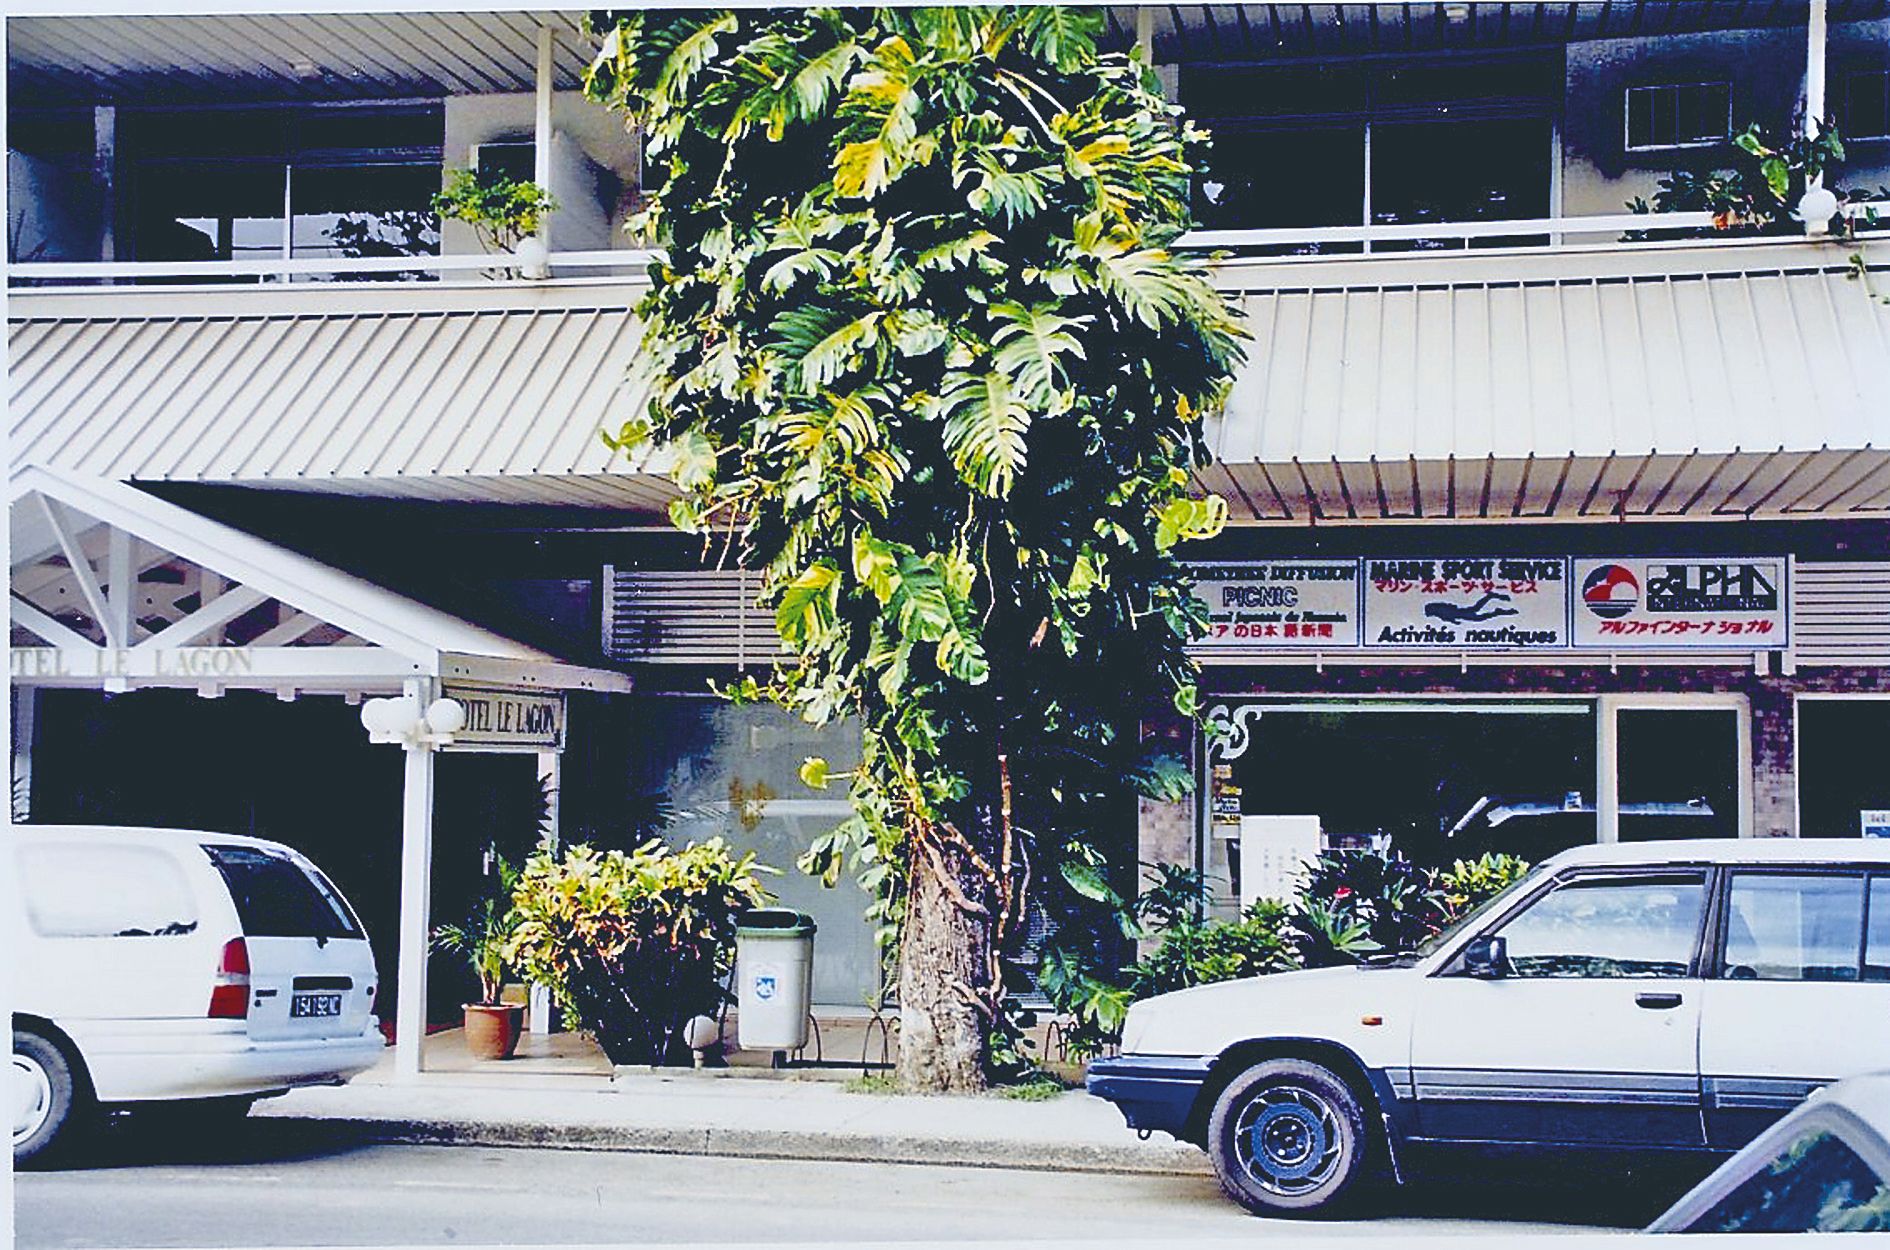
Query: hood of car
{"type": "Point", "coordinates": [1337, 1004]}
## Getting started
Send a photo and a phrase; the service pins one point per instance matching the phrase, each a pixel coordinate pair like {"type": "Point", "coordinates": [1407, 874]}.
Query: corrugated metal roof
{"type": "Point", "coordinates": [1727, 390]}
{"type": "Point", "coordinates": [224, 58]}
{"type": "Point", "coordinates": [1706, 380]}
{"type": "Point", "coordinates": [1262, 32]}
{"type": "Point", "coordinates": [396, 401]}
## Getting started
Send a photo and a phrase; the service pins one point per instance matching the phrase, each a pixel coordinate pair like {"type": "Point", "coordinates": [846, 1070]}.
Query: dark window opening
{"type": "Point", "coordinates": [1678, 115]}
{"type": "Point", "coordinates": [1864, 105]}
{"type": "Point", "coordinates": [275, 898]}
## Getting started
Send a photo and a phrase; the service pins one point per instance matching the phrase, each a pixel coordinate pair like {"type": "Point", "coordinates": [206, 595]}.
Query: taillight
{"type": "Point", "coordinates": [229, 997]}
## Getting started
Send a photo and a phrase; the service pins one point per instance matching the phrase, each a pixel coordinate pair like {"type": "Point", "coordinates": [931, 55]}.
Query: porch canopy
{"type": "Point", "coordinates": [116, 590]}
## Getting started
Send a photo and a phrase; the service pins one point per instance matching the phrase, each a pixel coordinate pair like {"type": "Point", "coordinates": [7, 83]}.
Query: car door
{"type": "Point", "coordinates": [1797, 996]}
{"type": "Point", "coordinates": [1588, 1036]}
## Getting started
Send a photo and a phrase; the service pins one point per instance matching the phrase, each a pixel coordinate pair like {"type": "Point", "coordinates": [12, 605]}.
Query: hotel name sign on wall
{"type": "Point", "coordinates": [508, 718]}
{"type": "Point", "coordinates": [1499, 603]}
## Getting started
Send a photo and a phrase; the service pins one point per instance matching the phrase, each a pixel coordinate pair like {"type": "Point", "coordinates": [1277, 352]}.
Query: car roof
{"type": "Point", "coordinates": [1728, 851]}
{"type": "Point", "coordinates": [138, 835]}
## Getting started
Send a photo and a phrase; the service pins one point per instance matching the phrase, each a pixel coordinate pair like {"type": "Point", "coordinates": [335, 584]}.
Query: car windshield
{"type": "Point", "coordinates": [1817, 1185]}
{"type": "Point", "coordinates": [1435, 942]}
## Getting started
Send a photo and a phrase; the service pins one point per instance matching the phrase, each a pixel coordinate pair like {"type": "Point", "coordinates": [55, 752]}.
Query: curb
{"type": "Point", "coordinates": [1151, 1159]}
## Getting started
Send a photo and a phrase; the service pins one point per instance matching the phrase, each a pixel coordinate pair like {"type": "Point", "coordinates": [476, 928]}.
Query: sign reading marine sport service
{"type": "Point", "coordinates": [1723, 603]}
{"type": "Point", "coordinates": [1482, 603]}
{"type": "Point", "coordinates": [1305, 604]}
{"type": "Point", "coordinates": [508, 718]}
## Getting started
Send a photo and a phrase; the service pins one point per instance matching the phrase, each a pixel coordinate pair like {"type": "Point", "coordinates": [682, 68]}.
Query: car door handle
{"type": "Point", "coordinates": [1657, 1002]}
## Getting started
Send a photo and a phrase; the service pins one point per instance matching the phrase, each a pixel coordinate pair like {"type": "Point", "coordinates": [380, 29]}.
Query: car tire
{"type": "Point", "coordinates": [1287, 1137]}
{"type": "Point", "coordinates": [50, 1099]}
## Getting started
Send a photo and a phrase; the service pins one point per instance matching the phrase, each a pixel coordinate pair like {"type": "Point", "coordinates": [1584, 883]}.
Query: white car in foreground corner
{"type": "Point", "coordinates": [163, 965]}
{"type": "Point", "coordinates": [1825, 1168]}
{"type": "Point", "coordinates": [1659, 996]}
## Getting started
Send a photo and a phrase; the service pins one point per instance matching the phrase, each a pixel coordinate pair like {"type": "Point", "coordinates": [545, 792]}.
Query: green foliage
{"type": "Point", "coordinates": [1760, 193]}
{"type": "Point", "coordinates": [634, 944]}
{"type": "Point", "coordinates": [920, 349]}
{"type": "Point", "coordinates": [1356, 903]}
{"type": "Point", "coordinates": [485, 936]}
{"type": "Point", "coordinates": [501, 210]}
{"type": "Point", "coordinates": [1468, 884]}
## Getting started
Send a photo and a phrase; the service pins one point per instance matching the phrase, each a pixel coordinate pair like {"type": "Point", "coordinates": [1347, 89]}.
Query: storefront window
{"type": "Point", "coordinates": [1679, 773]}
{"type": "Point", "coordinates": [1432, 782]}
{"type": "Point", "coordinates": [1843, 768]}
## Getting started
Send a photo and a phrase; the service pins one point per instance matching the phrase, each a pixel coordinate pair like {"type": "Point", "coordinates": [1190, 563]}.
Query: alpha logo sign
{"type": "Point", "coordinates": [1737, 603]}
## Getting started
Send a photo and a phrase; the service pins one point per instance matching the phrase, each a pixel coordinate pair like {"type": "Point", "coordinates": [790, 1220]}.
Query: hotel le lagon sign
{"type": "Point", "coordinates": [1499, 603]}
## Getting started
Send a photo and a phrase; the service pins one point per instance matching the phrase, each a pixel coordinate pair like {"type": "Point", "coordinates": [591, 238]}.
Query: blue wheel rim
{"type": "Point", "coordinates": [1288, 1142]}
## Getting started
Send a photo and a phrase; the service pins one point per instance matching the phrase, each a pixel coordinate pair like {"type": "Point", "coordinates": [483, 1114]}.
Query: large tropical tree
{"type": "Point", "coordinates": [920, 354]}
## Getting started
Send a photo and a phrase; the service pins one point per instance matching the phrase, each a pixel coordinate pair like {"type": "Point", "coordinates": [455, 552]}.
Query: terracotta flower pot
{"type": "Point", "coordinates": [492, 1031]}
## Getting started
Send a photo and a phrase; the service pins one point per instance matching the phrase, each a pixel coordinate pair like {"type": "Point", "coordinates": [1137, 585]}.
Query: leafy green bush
{"type": "Point", "coordinates": [633, 944]}
{"type": "Point", "coordinates": [1201, 953]}
{"type": "Point", "coordinates": [1357, 903]}
{"type": "Point", "coordinates": [485, 936]}
{"type": "Point", "coordinates": [1468, 884]}
{"type": "Point", "coordinates": [502, 211]}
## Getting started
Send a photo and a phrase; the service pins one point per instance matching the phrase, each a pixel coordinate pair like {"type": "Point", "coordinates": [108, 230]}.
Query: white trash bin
{"type": "Point", "coordinates": [774, 975]}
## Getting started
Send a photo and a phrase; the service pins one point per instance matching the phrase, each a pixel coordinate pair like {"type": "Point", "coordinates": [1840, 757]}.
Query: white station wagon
{"type": "Point", "coordinates": [158, 964]}
{"type": "Point", "coordinates": [1641, 997]}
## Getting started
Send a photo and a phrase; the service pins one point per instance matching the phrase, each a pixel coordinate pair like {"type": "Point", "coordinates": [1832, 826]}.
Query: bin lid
{"type": "Point", "coordinates": [774, 922]}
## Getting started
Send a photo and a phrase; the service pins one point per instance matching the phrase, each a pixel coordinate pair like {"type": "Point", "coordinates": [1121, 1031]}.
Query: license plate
{"type": "Point", "coordinates": [309, 1006]}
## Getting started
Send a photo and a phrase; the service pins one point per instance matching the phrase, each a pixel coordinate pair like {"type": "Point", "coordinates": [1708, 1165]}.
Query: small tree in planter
{"type": "Point", "coordinates": [492, 1027]}
{"type": "Point", "coordinates": [633, 944]}
{"type": "Point", "coordinates": [502, 211]}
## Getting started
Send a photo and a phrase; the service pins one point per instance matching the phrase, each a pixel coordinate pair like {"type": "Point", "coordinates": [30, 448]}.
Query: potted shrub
{"type": "Point", "coordinates": [634, 944]}
{"type": "Point", "coordinates": [484, 938]}
{"type": "Point", "coordinates": [502, 211]}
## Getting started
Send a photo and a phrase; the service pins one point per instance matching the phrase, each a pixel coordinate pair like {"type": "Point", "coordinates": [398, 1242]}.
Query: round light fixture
{"type": "Point", "coordinates": [446, 716]}
{"type": "Point", "coordinates": [1816, 209]}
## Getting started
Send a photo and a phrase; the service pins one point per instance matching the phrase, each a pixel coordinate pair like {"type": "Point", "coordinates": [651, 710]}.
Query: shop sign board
{"type": "Point", "coordinates": [508, 719]}
{"type": "Point", "coordinates": [1467, 603]}
{"type": "Point", "coordinates": [1304, 604]}
{"type": "Point", "coordinates": [1874, 822]}
{"type": "Point", "coordinates": [1661, 602]}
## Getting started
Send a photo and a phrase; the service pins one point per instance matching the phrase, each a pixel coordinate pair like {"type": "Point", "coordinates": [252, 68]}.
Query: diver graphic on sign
{"type": "Point", "coordinates": [1493, 604]}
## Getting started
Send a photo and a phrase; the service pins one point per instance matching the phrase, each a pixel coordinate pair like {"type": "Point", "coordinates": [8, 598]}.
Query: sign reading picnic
{"type": "Point", "coordinates": [1498, 603]}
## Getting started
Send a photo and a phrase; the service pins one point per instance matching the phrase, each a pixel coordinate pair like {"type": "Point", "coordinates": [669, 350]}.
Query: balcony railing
{"type": "Point", "coordinates": [1536, 234]}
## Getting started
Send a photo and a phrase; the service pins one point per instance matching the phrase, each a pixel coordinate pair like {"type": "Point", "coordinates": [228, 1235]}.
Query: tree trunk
{"type": "Point", "coordinates": [944, 969]}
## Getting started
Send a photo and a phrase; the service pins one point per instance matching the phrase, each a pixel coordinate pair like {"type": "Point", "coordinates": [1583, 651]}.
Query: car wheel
{"type": "Point", "coordinates": [1287, 1138]}
{"type": "Point", "coordinates": [46, 1095]}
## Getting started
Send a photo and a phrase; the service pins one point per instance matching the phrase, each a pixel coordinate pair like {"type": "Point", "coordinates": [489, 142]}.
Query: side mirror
{"type": "Point", "coordinates": [1486, 957]}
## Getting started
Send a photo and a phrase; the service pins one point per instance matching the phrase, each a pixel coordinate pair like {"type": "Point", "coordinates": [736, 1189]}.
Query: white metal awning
{"type": "Point", "coordinates": [1702, 380]}
{"type": "Point", "coordinates": [114, 588]}
{"type": "Point", "coordinates": [169, 59]}
{"type": "Point", "coordinates": [1726, 381]}
{"type": "Point", "coordinates": [471, 392]}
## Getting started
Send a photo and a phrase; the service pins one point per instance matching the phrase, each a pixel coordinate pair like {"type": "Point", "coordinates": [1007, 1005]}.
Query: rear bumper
{"type": "Point", "coordinates": [1153, 1092]}
{"type": "Point", "coordinates": [211, 1059]}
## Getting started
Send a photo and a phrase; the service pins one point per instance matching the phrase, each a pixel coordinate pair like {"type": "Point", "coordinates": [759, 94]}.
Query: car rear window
{"type": "Point", "coordinates": [105, 891]}
{"type": "Point", "coordinates": [275, 898]}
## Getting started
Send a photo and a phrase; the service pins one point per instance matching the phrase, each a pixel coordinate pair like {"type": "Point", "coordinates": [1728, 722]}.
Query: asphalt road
{"type": "Point", "coordinates": [272, 1184]}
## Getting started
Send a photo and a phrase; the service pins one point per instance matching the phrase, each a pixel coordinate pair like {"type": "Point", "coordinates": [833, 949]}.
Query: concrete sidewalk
{"type": "Point", "coordinates": [699, 1114]}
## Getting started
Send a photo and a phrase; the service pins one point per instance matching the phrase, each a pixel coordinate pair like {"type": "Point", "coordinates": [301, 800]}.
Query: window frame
{"type": "Point", "coordinates": [1450, 964]}
{"type": "Point", "coordinates": [1679, 145]}
{"type": "Point", "coordinates": [1715, 955]}
{"type": "Point", "coordinates": [1860, 873]}
{"type": "Point", "coordinates": [1848, 84]}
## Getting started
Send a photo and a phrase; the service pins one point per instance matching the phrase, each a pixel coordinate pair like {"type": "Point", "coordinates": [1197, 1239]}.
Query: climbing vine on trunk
{"type": "Point", "coordinates": [920, 354]}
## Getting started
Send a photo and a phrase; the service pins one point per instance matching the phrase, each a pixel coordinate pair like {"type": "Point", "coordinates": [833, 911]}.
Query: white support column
{"type": "Point", "coordinates": [551, 778]}
{"type": "Point", "coordinates": [416, 887]}
{"type": "Point", "coordinates": [1607, 771]}
{"type": "Point", "coordinates": [1814, 69]}
{"type": "Point", "coordinates": [541, 129]}
{"type": "Point", "coordinates": [1145, 33]}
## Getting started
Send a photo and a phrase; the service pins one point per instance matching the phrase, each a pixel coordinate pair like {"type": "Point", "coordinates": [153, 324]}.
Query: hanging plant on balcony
{"type": "Point", "coordinates": [502, 211]}
{"type": "Point", "coordinates": [1762, 193]}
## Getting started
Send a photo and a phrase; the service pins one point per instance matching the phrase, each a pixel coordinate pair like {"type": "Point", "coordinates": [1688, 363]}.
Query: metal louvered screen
{"type": "Point", "coordinates": [1841, 614]}
{"type": "Point", "coordinates": [689, 617]}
